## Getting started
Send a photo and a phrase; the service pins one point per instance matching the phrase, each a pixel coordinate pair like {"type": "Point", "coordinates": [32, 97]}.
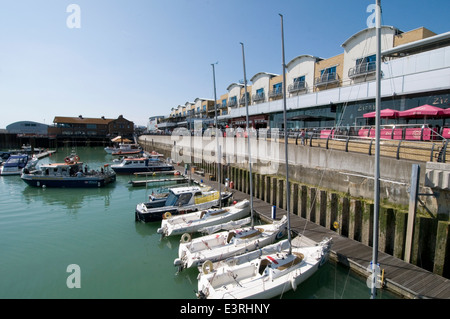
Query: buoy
{"type": "Point", "coordinates": [167, 215]}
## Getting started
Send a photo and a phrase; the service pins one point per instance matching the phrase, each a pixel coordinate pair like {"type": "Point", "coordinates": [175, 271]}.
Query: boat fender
{"type": "Point", "coordinates": [207, 267]}
{"type": "Point", "coordinates": [293, 284]}
{"type": "Point", "coordinates": [167, 215]}
{"type": "Point", "coordinates": [185, 238]}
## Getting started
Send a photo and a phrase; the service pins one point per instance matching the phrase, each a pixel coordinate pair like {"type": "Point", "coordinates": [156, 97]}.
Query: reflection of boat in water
{"type": "Point", "coordinates": [130, 165]}
{"type": "Point", "coordinates": [16, 163]}
{"type": "Point", "coordinates": [179, 200]}
{"type": "Point", "coordinates": [68, 174]}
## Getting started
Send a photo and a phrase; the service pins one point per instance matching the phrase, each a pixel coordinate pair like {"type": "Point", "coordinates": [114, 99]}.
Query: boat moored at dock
{"type": "Point", "coordinates": [131, 165]}
{"type": "Point", "coordinates": [180, 200]}
{"type": "Point", "coordinates": [16, 163]}
{"type": "Point", "coordinates": [68, 174]}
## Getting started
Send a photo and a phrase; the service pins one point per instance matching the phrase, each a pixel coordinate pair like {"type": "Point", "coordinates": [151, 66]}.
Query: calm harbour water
{"type": "Point", "coordinates": [43, 231]}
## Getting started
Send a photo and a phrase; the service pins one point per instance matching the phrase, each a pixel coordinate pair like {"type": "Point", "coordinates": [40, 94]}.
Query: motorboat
{"type": "Point", "coordinates": [193, 252]}
{"type": "Point", "coordinates": [16, 163]}
{"type": "Point", "coordinates": [180, 200]}
{"type": "Point", "coordinates": [262, 275]}
{"type": "Point", "coordinates": [193, 222]}
{"type": "Point", "coordinates": [123, 147]}
{"type": "Point", "coordinates": [131, 165]}
{"type": "Point", "coordinates": [68, 174]}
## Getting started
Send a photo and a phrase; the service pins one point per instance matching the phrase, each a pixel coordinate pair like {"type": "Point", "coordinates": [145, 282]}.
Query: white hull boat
{"type": "Point", "coordinates": [219, 246]}
{"type": "Point", "coordinates": [193, 222]}
{"type": "Point", "coordinates": [265, 277]}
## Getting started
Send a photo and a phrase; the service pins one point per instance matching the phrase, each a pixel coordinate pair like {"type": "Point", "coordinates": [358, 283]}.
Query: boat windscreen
{"type": "Point", "coordinates": [171, 199]}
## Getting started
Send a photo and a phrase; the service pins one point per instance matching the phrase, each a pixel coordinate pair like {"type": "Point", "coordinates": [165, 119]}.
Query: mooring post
{"type": "Point", "coordinates": [414, 190]}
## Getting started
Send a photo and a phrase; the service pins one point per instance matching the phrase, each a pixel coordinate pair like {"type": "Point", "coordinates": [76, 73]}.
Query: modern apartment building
{"type": "Point", "coordinates": [338, 90]}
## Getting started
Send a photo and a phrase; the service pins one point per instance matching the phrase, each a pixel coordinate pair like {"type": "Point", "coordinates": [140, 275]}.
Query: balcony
{"type": "Point", "coordinates": [259, 97]}
{"type": "Point", "coordinates": [277, 93]}
{"type": "Point", "coordinates": [297, 86]}
{"type": "Point", "coordinates": [242, 101]}
{"type": "Point", "coordinates": [232, 103]}
{"type": "Point", "coordinates": [362, 69]}
{"type": "Point", "coordinates": [327, 78]}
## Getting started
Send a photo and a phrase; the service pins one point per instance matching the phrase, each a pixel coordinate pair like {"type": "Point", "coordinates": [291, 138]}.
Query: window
{"type": "Point", "coordinates": [277, 87]}
{"type": "Point", "coordinates": [328, 74]}
{"type": "Point", "coordinates": [366, 64]}
{"type": "Point", "coordinates": [224, 102]}
{"type": "Point", "coordinates": [299, 79]}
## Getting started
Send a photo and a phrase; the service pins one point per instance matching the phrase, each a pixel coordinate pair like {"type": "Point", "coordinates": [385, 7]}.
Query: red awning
{"type": "Point", "coordinates": [422, 111]}
{"type": "Point", "coordinates": [383, 113]}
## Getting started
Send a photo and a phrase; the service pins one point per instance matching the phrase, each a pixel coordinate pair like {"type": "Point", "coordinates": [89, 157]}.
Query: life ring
{"type": "Point", "coordinates": [185, 238]}
{"type": "Point", "coordinates": [336, 225]}
{"type": "Point", "coordinates": [207, 267]}
{"type": "Point", "coordinates": [67, 160]}
{"type": "Point", "coordinates": [167, 215]}
{"type": "Point", "coordinates": [76, 158]}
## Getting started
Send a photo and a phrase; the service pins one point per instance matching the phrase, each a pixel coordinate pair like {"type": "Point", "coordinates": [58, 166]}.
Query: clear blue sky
{"type": "Point", "coordinates": [140, 58]}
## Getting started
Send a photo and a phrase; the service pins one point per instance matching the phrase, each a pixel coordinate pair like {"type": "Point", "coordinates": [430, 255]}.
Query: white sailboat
{"type": "Point", "coordinates": [216, 247]}
{"type": "Point", "coordinates": [193, 222]}
{"type": "Point", "coordinates": [222, 245]}
{"type": "Point", "coordinates": [264, 275]}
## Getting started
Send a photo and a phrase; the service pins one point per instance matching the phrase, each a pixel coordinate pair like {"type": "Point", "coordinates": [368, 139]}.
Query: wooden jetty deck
{"type": "Point", "coordinates": [401, 277]}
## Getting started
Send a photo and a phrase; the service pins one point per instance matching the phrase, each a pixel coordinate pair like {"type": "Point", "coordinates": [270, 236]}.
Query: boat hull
{"type": "Point", "coordinates": [152, 213]}
{"type": "Point", "coordinates": [69, 182]}
{"type": "Point", "coordinates": [132, 170]}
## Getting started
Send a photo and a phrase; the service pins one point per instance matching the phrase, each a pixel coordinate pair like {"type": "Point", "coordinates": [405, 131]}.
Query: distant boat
{"type": "Point", "coordinates": [68, 174]}
{"type": "Point", "coordinates": [123, 147]}
{"type": "Point", "coordinates": [16, 163]}
{"type": "Point", "coordinates": [131, 165]}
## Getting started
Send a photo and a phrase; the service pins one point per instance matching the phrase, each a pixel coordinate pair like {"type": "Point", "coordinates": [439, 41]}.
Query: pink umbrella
{"type": "Point", "coordinates": [447, 112]}
{"type": "Point", "coordinates": [422, 111]}
{"type": "Point", "coordinates": [383, 113]}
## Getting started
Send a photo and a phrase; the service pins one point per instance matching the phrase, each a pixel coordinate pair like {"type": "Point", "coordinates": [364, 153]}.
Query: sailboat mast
{"type": "Point", "coordinates": [248, 136]}
{"type": "Point", "coordinates": [377, 153]}
{"type": "Point", "coordinates": [286, 133]}
{"type": "Point", "coordinates": [217, 137]}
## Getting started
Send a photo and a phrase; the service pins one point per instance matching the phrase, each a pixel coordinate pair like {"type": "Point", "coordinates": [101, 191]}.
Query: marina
{"type": "Point", "coordinates": [95, 229]}
{"type": "Point", "coordinates": [339, 165]}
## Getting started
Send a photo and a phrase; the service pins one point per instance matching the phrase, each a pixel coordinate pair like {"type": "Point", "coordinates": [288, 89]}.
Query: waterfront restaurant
{"type": "Point", "coordinates": [336, 92]}
{"type": "Point", "coordinates": [99, 127]}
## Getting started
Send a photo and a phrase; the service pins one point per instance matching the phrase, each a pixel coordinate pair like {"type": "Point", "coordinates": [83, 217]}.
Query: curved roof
{"type": "Point", "coordinates": [366, 30]}
{"type": "Point", "coordinates": [263, 73]}
{"type": "Point", "coordinates": [303, 56]}
{"type": "Point", "coordinates": [229, 86]}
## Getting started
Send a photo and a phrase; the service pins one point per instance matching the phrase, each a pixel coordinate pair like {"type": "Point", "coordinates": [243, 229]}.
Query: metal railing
{"type": "Point", "coordinates": [362, 69]}
{"type": "Point", "coordinates": [327, 78]}
{"type": "Point", "coordinates": [297, 86]}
